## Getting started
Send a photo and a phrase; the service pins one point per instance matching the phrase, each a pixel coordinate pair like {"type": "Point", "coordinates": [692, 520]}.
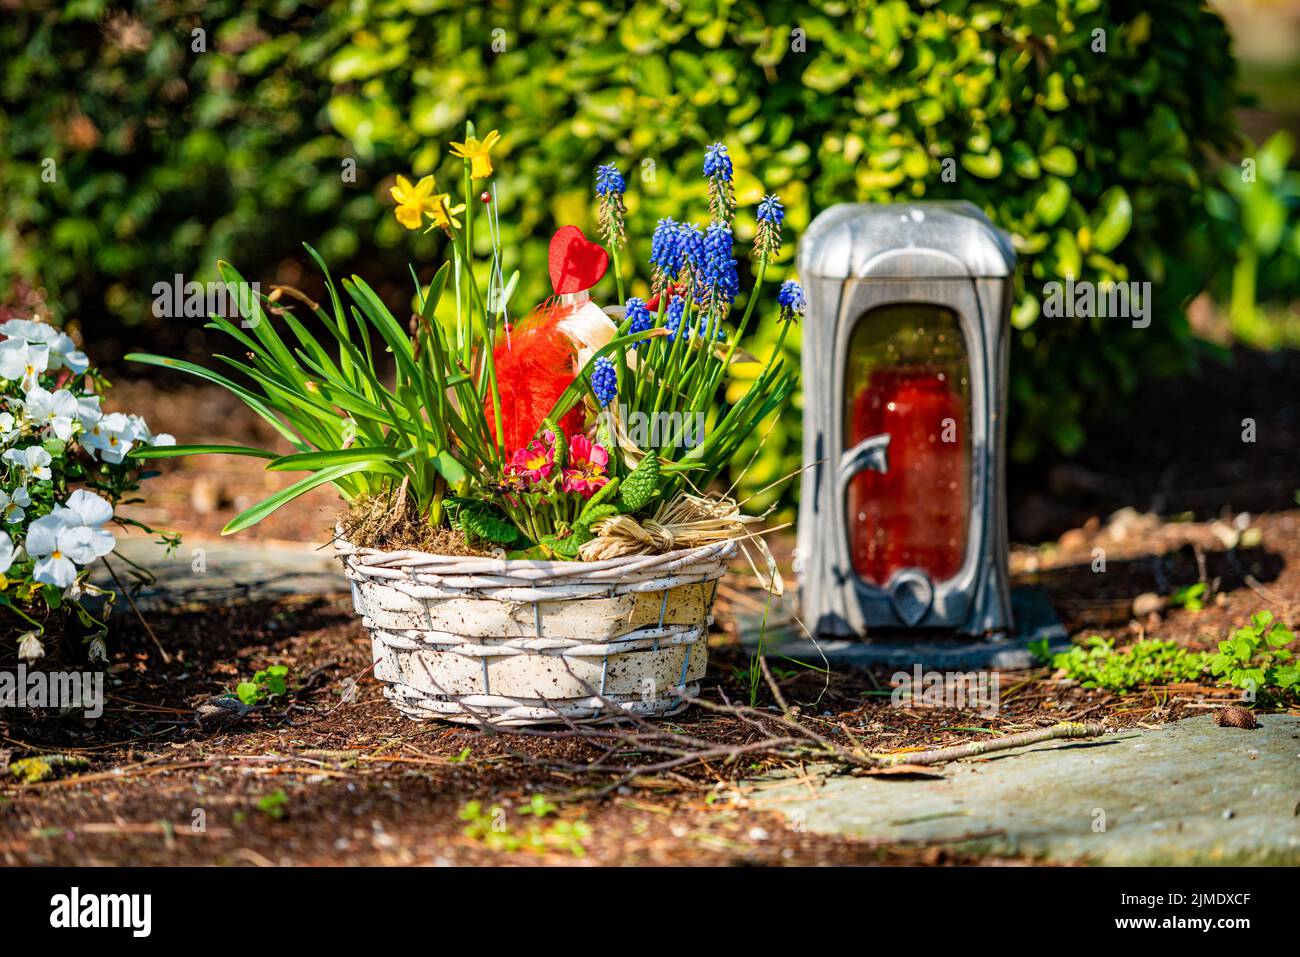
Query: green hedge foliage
{"type": "Point", "coordinates": [1086, 128]}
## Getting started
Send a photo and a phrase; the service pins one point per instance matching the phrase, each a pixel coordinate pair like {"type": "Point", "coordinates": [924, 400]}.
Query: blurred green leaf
{"type": "Point", "coordinates": [1111, 220]}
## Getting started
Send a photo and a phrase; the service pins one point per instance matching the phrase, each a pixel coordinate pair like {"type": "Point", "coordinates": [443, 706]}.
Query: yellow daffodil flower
{"type": "Point", "coordinates": [478, 153]}
{"type": "Point", "coordinates": [442, 205]}
{"type": "Point", "coordinates": [413, 202]}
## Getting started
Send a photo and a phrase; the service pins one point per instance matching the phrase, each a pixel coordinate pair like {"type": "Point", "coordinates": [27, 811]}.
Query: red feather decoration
{"type": "Point", "coordinates": [534, 365]}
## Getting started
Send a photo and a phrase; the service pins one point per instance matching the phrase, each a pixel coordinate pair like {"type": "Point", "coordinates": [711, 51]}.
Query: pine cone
{"type": "Point", "coordinates": [1232, 717]}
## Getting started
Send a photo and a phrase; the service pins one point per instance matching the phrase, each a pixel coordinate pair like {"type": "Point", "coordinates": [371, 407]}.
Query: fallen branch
{"type": "Point", "coordinates": [1066, 729]}
{"type": "Point", "coordinates": [781, 737]}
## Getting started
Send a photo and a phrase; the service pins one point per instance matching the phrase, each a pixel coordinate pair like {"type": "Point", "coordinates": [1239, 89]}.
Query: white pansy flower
{"type": "Point", "coordinates": [8, 552]}
{"type": "Point", "coordinates": [52, 566]}
{"type": "Point", "coordinates": [65, 354]}
{"type": "Point", "coordinates": [33, 460]}
{"type": "Point", "coordinates": [12, 505]}
{"type": "Point", "coordinates": [140, 429]}
{"type": "Point", "coordinates": [29, 330]}
{"type": "Point", "coordinates": [88, 410]}
{"type": "Point", "coordinates": [22, 360]}
{"type": "Point", "coordinates": [71, 535]}
{"type": "Point", "coordinates": [84, 511]}
{"type": "Point", "coordinates": [30, 647]}
{"type": "Point", "coordinates": [52, 410]}
{"type": "Point", "coordinates": [111, 435]}
{"type": "Point", "coordinates": [10, 427]}
{"type": "Point", "coordinates": [89, 414]}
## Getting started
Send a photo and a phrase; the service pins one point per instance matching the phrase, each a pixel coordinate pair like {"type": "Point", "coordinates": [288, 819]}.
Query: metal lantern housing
{"type": "Point", "coordinates": [902, 516]}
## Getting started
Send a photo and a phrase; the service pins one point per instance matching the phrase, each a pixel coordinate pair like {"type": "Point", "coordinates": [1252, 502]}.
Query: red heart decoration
{"type": "Point", "coordinates": [576, 263]}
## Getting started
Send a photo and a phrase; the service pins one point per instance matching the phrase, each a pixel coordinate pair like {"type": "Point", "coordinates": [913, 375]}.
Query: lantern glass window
{"type": "Point", "coordinates": [908, 375]}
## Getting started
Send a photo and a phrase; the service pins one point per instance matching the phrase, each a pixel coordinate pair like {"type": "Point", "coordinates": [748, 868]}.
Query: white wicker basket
{"type": "Point", "coordinates": [474, 639]}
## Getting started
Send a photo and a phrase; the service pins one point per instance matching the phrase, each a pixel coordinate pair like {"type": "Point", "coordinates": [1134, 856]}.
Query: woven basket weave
{"type": "Point", "coordinates": [506, 642]}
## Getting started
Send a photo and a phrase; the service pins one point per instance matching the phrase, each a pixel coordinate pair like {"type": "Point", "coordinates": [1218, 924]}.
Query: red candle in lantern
{"type": "Point", "coordinates": [915, 514]}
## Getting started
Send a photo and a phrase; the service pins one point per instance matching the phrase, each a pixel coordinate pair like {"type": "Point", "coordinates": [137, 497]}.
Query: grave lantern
{"type": "Point", "coordinates": [902, 516]}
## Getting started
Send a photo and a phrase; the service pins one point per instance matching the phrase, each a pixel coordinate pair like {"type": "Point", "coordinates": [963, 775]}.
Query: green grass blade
{"type": "Point", "coordinates": [176, 451]}
{"type": "Point", "coordinates": [329, 458]}
{"type": "Point", "coordinates": [268, 505]}
{"type": "Point", "coordinates": [251, 399]}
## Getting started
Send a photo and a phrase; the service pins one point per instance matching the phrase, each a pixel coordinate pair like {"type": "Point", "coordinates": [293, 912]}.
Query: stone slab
{"type": "Point", "coordinates": [1190, 793]}
{"type": "Point", "coordinates": [207, 570]}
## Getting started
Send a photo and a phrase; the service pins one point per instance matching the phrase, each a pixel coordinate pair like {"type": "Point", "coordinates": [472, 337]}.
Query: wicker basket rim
{"type": "Point", "coordinates": [720, 551]}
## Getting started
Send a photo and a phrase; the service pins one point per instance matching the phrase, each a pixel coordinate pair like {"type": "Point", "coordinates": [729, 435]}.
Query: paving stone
{"type": "Point", "coordinates": [1188, 793]}
{"type": "Point", "coordinates": [205, 570]}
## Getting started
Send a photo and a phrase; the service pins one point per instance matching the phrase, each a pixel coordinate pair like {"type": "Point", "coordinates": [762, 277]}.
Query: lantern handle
{"type": "Point", "coordinates": [871, 453]}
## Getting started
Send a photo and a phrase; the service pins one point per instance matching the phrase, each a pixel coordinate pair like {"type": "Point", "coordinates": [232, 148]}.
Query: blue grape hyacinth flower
{"type": "Point", "coordinates": [667, 254]}
{"type": "Point", "coordinates": [673, 318]}
{"type": "Point", "coordinates": [791, 299]}
{"type": "Point", "coordinates": [638, 318]}
{"type": "Point", "coordinates": [612, 213]}
{"type": "Point", "coordinates": [719, 279]}
{"type": "Point", "coordinates": [770, 210]}
{"type": "Point", "coordinates": [719, 172]}
{"type": "Point", "coordinates": [604, 381]}
{"type": "Point", "coordinates": [609, 180]}
{"type": "Point", "coordinates": [770, 216]}
{"type": "Point", "coordinates": [717, 162]}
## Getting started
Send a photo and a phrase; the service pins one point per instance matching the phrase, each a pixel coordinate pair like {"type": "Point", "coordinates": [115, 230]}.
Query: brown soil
{"type": "Point", "coordinates": [394, 522]}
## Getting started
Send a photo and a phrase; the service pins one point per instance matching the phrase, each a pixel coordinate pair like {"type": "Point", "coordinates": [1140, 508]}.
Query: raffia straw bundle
{"type": "Point", "coordinates": [688, 521]}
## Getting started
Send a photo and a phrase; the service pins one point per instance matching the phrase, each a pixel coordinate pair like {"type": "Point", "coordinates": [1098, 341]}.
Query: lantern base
{"type": "Point", "coordinates": [1032, 610]}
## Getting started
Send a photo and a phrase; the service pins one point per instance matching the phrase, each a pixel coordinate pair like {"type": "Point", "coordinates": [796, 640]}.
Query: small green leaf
{"type": "Point", "coordinates": [641, 485]}
{"type": "Point", "coordinates": [449, 468]}
{"type": "Point", "coordinates": [591, 516]}
{"type": "Point", "coordinates": [984, 165]}
{"type": "Point", "coordinates": [1059, 160]}
{"type": "Point", "coordinates": [1111, 220]}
